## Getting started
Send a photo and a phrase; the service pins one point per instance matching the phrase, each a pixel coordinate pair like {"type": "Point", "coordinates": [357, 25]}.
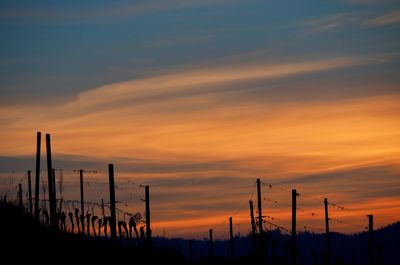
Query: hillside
{"type": "Point", "coordinates": [26, 241]}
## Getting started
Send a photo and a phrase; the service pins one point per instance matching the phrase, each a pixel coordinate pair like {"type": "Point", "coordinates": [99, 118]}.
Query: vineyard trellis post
{"type": "Point", "coordinates": [37, 175]}
{"type": "Point", "coordinates": [211, 243]}
{"type": "Point", "coordinates": [82, 199]}
{"type": "Point", "coordinates": [231, 238]}
{"type": "Point", "coordinates": [371, 250]}
{"type": "Point", "coordinates": [293, 247]}
{"type": "Point", "coordinates": [113, 222]}
{"type": "Point", "coordinates": [328, 243]}
{"type": "Point", "coordinates": [52, 194]}
{"type": "Point", "coordinates": [148, 227]}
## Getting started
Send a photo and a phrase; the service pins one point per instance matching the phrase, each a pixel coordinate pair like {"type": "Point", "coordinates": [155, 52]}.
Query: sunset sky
{"type": "Point", "coordinates": [198, 98]}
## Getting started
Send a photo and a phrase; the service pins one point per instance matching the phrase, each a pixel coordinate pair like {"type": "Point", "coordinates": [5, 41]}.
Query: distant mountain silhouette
{"type": "Point", "coordinates": [346, 249]}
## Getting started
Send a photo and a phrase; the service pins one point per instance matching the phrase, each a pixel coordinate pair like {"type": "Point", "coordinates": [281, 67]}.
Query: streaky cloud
{"type": "Point", "coordinates": [384, 20]}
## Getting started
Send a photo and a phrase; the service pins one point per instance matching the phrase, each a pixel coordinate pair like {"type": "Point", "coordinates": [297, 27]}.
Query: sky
{"type": "Point", "coordinates": [199, 98]}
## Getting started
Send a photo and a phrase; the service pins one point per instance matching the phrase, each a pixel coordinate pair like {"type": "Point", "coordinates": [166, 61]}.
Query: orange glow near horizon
{"type": "Point", "coordinates": [179, 136]}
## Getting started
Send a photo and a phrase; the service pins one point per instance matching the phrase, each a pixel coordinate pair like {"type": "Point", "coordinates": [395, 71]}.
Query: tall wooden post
{"type": "Point", "coordinates": [21, 204]}
{"type": "Point", "coordinates": [52, 195]}
{"type": "Point", "coordinates": [231, 239]}
{"type": "Point", "coordinates": [260, 221]}
{"type": "Point", "coordinates": [113, 222]}
{"type": "Point", "coordinates": [328, 242]}
{"type": "Point", "coordinates": [82, 199]}
{"type": "Point", "coordinates": [30, 193]}
{"type": "Point", "coordinates": [37, 175]}
{"type": "Point", "coordinates": [148, 227]}
{"type": "Point", "coordinates": [294, 207]}
{"type": "Point", "coordinates": [371, 250]}
{"type": "Point", "coordinates": [211, 243]}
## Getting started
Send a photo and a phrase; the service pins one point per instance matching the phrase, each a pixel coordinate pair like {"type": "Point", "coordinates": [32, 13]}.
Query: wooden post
{"type": "Point", "coordinates": [371, 250]}
{"type": "Point", "coordinates": [260, 221]}
{"type": "Point", "coordinates": [82, 199]}
{"type": "Point", "coordinates": [37, 175]}
{"type": "Point", "coordinates": [294, 207]}
{"type": "Point", "coordinates": [328, 243]}
{"type": "Point", "coordinates": [211, 243]}
{"type": "Point", "coordinates": [231, 239]}
{"type": "Point", "coordinates": [21, 204]}
{"type": "Point", "coordinates": [52, 195]}
{"type": "Point", "coordinates": [148, 227]}
{"type": "Point", "coordinates": [105, 218]}
{"type": "Point", "coordinates": [113, 222]}
{"type": "Point", "coordinates": [30, 193]}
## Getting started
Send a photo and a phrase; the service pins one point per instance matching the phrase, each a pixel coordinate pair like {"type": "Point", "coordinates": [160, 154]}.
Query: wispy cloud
{"type": "Point", "coordinates": [176, 84]}
{"type": "Point", "coordinates": [353, 20]}
{"type": "Point", "coordinates": [332, 22]}
{"type": "Point", "coordinates": [384, 20]}
{"type": "Point", "coordinates": [201, 151]}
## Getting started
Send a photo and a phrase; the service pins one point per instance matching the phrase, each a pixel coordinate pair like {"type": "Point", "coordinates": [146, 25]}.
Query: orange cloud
{"type": "Point", "coordinates": [175, 127]}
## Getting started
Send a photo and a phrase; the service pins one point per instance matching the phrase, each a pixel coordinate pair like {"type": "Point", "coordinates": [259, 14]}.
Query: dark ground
{"type": "Point", "coordinates": [23, 241]}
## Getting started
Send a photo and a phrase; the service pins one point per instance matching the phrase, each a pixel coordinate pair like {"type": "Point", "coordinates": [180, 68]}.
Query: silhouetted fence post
{"type": "Point", "coordinates": [294, 207]}
{"type": "Point", "coordinates": [231, 239]}
{"type": "Point", "coordinates": [105, 218]}
{"type": "Point", "coordinates": [21, 204]}
{"type": "Point", "coordinates": [148, 227]}
{"type": "Point", "coordinates": [328, 242]}
{"type": "Point", "coordinates": [82, 199]}
{"type": "Point", "coordinates": [261, 239]}
{"type": "Point", "coordinates": [113, 222]}
{"type": "Point", "coordinates": [30, 193]}
{"type": "Point", "coordinates": [51, 185]}
{"type": "Point", "coordinates": [37, 175]}
{"type": "Point", "coordinates": [371, 250]}
{"type": "Point", "coordinates": [211, 243]}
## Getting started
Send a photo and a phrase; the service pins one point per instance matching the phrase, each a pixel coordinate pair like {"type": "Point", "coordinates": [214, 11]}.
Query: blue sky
{"type": "Point", "coordinates": [52, 49]}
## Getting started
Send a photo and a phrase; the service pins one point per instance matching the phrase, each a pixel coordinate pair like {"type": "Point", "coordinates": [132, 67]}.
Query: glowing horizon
{"type": "Point", "coordinates": [198, 107]}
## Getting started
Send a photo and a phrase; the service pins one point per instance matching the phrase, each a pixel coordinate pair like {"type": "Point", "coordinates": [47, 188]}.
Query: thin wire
{"type": "Point", "coordinates": [345, 222]}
